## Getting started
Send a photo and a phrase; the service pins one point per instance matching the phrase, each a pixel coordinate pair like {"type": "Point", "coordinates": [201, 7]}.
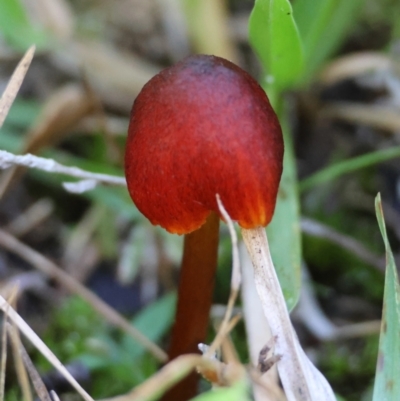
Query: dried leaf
{"type": "Point", "coordinates": [14, 84]}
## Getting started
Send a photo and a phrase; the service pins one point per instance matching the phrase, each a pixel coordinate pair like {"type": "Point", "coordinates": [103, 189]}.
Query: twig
{"type": "Point", "coordinates": [317, 229]}
{"type": "Point", "coordinates": [52, 270]}
{"type": "Point", "coordinates": [358, 330]}
{"type": "Point", "coordinates": [18, 361]}
{"type": "Point", "coordinates": [355, 65]}
{"type": "Point", "coordinates": [36, 380]}
{"type": "Point", "coordinates": [3, 354]}
{"type": "Point", "coordinates": [8, 159]}
{"type": "Point", "coordinates": [31, 217]}
{"type": "Point", "coordinates": [41, 346]}
{"type": "Point", "coordinates": [157, 384]}
{"type": "Point", "coordinates": [235, 281]}
{"type": "Point", "coordinates": [236, 276]}
{"type": "Point", "coordinates": [54, 396]}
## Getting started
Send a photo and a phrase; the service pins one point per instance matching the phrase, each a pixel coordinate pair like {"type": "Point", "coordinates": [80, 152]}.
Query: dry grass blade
{"type": "Point", "coordinates": [3, 355]}
{"type": "Point", "coordinates": [216, 39]}
{"type": "Point", "coordinates": [301, 380]}
{"type": "Point", "coordinates": [218, 373]}
{"type": "Point", "coordinates": [78, 245]}
{"type": "Point", "coordinates": [115, 76]}
{"type": "Point", "coordinates": [19, 363]}
{"type": "Point", "coordinates": [265, 390]}
{"type": "Point", "coordinates": [174, 24]}
{"type": "Point", "coordinates": [31, 217]}
{"type": "Point", "coordinates": [258, 333]}
{"type": "Point", "coordinates": [62, 112]}
{"type": "Point", "coordinates": [354, 65]}
{"type": "Point", "coordinates": [235, 282]}
{"type": "Point", "coordinates": [170, 374]}
{"type": "Point", "coordinates": [49, 268]}
{"type": "Point", "coordinates": [377, 116]}
{"type": "Point", "coordinates": [317, 229]}
{"type": "Point", "coordinates": [56, 15]}
{"type": "Point", "coordinates": [309, 312]}
{"type": "Point", "coordinates": [175, 371]}
{"type": "Point", "coordinates": [355, 330]}
{"type": "Point", "coordinates": [236, 275]}
{"type": "Point", "coordinates": [54, 396]}
{"type": "Point", "coordinates": [36, 380]}
{"type": "Point", "coordinates": [228, 350]}
{"type": "Point", "coordinates": [14, 84]}
{"type": "Point", "coordinates": [42, 347]}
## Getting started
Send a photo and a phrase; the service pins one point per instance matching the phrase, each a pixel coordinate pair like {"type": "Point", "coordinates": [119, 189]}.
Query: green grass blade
{"type": "Point", "coordinates": [238, 392]}
{"type": "Point", "coordinates": [312, 18]}
{"type": "Point", "coordinates": [387, 383]}
{"type": "Point", "coordinates": [332, 172]}
{"type": "Point", "coordinates": [16, 27]}
{"type": "Point", "coordinates": [274, 37]}
{"type": "Point", "coordinates": [154, 321]}
{"type": "Point", "coordinates": [284, 230]}
{"type": "Point", "coordinates": [323, 25]}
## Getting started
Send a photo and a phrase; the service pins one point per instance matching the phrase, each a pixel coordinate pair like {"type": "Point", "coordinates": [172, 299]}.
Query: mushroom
{"type": "Point", "coordinates": [200, 128]}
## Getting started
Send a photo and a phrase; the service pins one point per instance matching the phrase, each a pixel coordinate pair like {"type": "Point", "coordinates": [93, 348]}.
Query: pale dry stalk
{"type": "Point", "coordinates": [300, 378]}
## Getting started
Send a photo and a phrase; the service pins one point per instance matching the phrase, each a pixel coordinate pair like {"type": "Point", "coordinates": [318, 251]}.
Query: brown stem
{"type": "Point", "coordinates": [195, 293]}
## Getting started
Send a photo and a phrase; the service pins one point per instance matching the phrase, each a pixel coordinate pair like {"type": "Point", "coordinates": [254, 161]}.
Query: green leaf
{"type": "Point", "coordinates": [323, 25]}
{"type": "Point", "coordinates": [23, 113]}
{"type": "Point", "coordinates": [16, 27]}
{"type": "Point", "coordinates": [238, 392]}
{"type": "Point", "coordinates": [274, 37]}
{"type": "Point", "coordinates": [387, 384]}
{"type": "Point", "coordinates": [10, 140]}
{"type": "Point", "coordinates": [338, 169]}
{"type": "Point", "coordinates": [153, 322]}
{"type": "Point", "coordinates": [284, 230]}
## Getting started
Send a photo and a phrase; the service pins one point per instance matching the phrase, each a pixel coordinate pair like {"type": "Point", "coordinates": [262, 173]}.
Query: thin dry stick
{"type": "Point", "coordinates": [160, 382]}
{"type": "Point", "coordinates": [358, 330]}
{"type": "Point", "coordinates": [36, 380]}
{"type": "Point", "coordinates": [236, 275]}
{"type": "Point", "coordinates": [54, 396]}
{"type": "Point", "coordinates": [222, 374]}
{"type": "Point", "coordinates": [13, 333]}
{"type": "Point", "coordinates": [265, 390]}
{"type": "Point", "coordinates": [42, 347]}
{"type": "Point", "coordinates": [317, 229]}
{"type": "Point", "coordinates": [3, 355]}
{"type": "Point", "coordinates": [19, 364]}
{"type": "Point", "coordinates": [235, 282]}
{"type": "Point", "coordinates": [31, 217]}
{"type": "Point", "coordinates": [8, 159]}
{"type": "Point", "coordinates": [14, 84]}
{"type": "Point", "coordinates": [206, 350]}
{"type": "Point", "coordinates": [49, 268]}
{"type": "Point", "coordinates": [300, 378]}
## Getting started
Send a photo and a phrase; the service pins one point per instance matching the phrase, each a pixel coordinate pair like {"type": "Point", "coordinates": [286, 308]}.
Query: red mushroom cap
{"type": "Point", "coordinates": [199, 128]}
